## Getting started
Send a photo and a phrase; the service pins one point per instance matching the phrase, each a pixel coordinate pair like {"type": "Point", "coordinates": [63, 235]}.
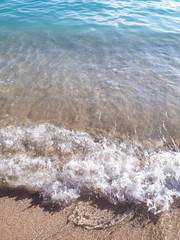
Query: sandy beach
{"type": "Point", "coordinates": [24, 216]}
{"type": "Point", "coordinates": [89, 120]}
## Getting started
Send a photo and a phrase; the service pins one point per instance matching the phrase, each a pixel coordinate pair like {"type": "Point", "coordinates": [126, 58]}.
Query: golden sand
{"type": "Point", "coordinates": [24, 216]}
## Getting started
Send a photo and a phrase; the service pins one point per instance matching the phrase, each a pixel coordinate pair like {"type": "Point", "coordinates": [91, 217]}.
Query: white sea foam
{"type": "Point", "coordinates": [63, 165]}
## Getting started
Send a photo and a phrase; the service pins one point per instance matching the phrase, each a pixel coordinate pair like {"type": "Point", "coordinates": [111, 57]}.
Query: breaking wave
{"type": "Point", "coordinates": [63, 165]}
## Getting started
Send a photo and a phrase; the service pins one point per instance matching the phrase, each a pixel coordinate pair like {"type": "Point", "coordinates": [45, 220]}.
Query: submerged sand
{"type": "Point", "coordinates": [24, 216]}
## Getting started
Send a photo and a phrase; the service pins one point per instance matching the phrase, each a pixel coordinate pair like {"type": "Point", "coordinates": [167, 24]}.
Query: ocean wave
{"type": "Point", "coordinates": [63, 165]}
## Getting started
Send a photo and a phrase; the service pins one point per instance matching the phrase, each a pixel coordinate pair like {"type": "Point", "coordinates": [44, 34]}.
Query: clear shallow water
{"type": "Point", "coordinates": [108, 68]}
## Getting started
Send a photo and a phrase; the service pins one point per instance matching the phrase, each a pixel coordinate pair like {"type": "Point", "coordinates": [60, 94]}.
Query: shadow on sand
{"type": "Point", "coordinates": [138, 213]}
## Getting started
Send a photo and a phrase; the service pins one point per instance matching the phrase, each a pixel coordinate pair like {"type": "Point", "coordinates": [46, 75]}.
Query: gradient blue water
{"type": "Point", "coordinates": [129, 51]}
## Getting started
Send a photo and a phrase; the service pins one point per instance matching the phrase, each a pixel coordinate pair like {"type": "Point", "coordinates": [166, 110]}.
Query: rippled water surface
{"type": "Point", "coordinates": [105, 68]}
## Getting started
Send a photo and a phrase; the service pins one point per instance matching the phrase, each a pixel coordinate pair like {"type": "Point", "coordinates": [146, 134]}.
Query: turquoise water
{"type": "Point", "coordinates": [87, 16]}
{"type": "Point", "coordinates": [124, 55]}
{"type": "Point", "coordinates": [86, 86]}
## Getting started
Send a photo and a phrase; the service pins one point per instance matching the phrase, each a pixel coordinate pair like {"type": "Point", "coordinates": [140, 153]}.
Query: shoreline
{"type": "Point", "coordinates": [24, 216]}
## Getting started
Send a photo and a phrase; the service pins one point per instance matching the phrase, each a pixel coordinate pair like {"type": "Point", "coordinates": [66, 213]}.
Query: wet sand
{"type": "Point", "coordinates": [24, 216]}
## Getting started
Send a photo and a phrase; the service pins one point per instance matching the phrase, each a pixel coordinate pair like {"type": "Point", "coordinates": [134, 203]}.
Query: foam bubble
{"type": "Point", "coordinates": [63, 165]}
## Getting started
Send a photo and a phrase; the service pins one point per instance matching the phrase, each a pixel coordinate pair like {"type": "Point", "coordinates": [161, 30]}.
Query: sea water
{"type": "Point", "coordinates": [90, 100]}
